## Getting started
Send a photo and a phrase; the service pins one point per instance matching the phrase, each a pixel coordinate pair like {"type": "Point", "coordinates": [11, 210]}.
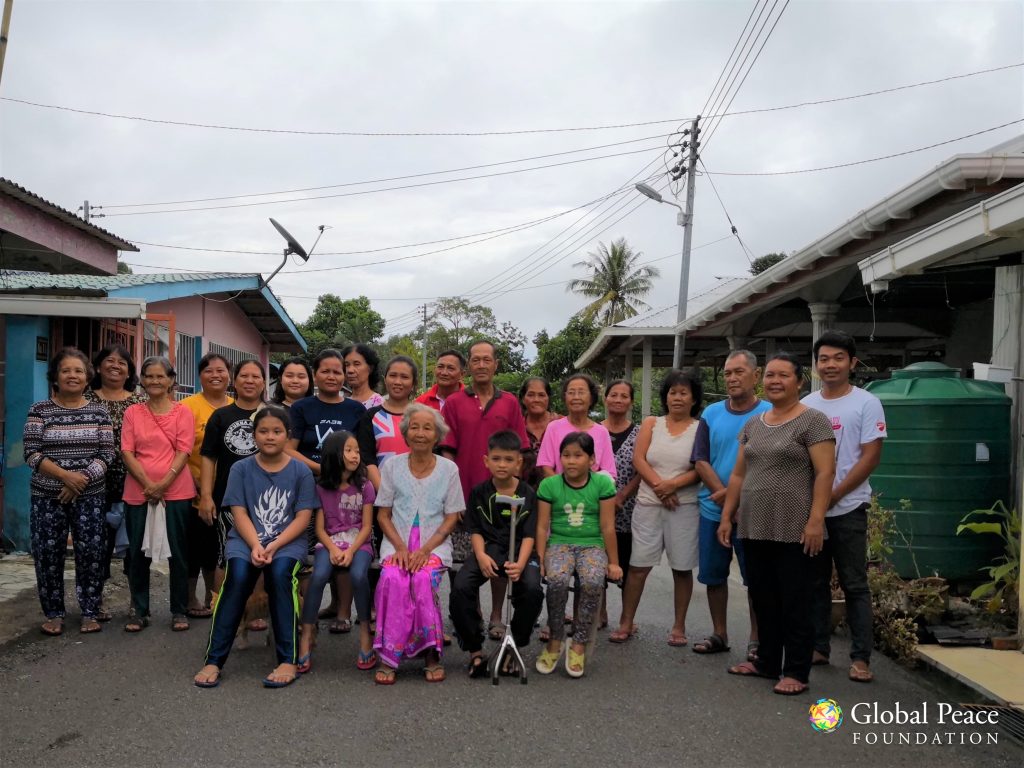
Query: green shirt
{"type": "Point", "coordinates": [576, 512]}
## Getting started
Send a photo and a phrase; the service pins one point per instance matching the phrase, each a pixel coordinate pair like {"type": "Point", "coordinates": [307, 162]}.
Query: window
{"type": "Point", "coordinates": [185, 362]}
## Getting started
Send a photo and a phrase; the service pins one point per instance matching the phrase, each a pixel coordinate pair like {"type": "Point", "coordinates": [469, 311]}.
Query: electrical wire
{"type": "Point", "coordinates": [382, 189]}
{"type": "Point", "coordinates": [746, 251]}
{"type": "Point", "coordinates": [386, 179]}
{"type": "Point", "coordinates": [870, 159]}
{"type": "Point", "coordinates": [511, 228]}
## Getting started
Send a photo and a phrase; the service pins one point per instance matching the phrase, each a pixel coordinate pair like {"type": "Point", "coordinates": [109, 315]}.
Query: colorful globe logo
{"type": "Point", "coordinates": [825, 715]}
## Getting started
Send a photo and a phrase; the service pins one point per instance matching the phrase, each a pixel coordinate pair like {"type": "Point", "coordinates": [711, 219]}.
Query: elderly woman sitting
{"type": "Point", "coordinates": [420, 499]}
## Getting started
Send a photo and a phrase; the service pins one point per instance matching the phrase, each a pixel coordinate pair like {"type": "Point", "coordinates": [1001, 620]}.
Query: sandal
{"type": "Point", "coordinates": [385, 676]}
{"type": "Point", "coordinates": [752, 649]}
{"type": "Point", "coordinates": [367, 660]}
{"type": "Point", "coordinates": [136, 623]}
{"type": "Point", "coordinates": [179, 623]}
{"type": "Point", "coordinates": [103, 615]}
{"type": "Point", "coordinates": [677, 640]}
{"type": "Point", "coordinates": [574, 663]}
{"type": "Point", "coordinates": [509, 667]}
{"type": "Point", "coordinates": [199, 613]}
{"type": "Point", "coordinates": [748, 669]}
{"type": "Point", "coordinates": [207, 683]}
{"type": "Point", "coordinates": [434, 674]}
{"type": "Point", "coordinates": [860, 674]}
{"type": "Point", "coordinates": [495, 630]}
{"type": "Point", "coordinates": [340, 626]}
{"type": "Point", "coordinates": [270, 682]}
{"type": "Point", "coordinates": [477, 667]}
{"type": "Point", "coordinates": [89, 625]}
{"type": "Point", "coordinates": [257, 625]}
{"type": "Point", "coordinates": [789, 686]}
{"type": "Point", "coordinates": [711, 644]}
{"type": "Point", "coordinates": [544, 636]}
{"type": "Point", "coordinates": [53, 627]}
{"type": "Point", "coordinates": [621, 635]}
{"type": "Point", "coordinates": [548, 660]}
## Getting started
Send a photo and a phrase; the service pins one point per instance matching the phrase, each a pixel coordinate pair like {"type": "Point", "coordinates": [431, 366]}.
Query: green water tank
{"type": "Point", "coordinates": [948, 452]}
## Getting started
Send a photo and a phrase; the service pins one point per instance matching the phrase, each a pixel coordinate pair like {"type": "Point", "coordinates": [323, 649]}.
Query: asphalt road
{"type": "Point", "coordinates": [114, 699]}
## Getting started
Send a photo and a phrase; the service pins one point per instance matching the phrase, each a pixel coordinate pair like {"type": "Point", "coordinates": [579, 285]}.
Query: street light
{"type": "Point", "coordinates": [684, 271]}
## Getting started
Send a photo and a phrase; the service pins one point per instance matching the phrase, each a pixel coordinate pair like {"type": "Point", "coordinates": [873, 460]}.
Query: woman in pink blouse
{"type": "Point", "coordinates": [156, 440]}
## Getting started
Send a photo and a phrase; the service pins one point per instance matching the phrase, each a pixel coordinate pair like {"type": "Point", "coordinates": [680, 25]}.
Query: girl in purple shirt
{"type": "Point", "coordinates": [344, 522]}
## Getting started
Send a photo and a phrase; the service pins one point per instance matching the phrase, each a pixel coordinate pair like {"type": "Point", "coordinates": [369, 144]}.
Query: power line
{"type": "Point", "coordinates": [746, 251]}
{"type": "Point", "coordinates": [382, 189]}
{"type": "Point", "coordinates": [709, 133]}
{"type": "Point", "coordinates": [509, 229]}
{"type": "Point", "coordinates": [870, 159]}
{"type": "Point", "coordinates": [387, 179]}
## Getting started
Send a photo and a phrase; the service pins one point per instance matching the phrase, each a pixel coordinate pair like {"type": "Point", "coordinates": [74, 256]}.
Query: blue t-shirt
{"type": "Point", "coordinates": [717, 443]}
{"type": "Point", "coordinates": [271, 499]}
{"type": "Point", "coordinates": [313, 420]}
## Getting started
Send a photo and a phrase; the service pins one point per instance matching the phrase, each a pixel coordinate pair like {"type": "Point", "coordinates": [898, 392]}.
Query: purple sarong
{"type": "Point", "coordinates": [409, 619]}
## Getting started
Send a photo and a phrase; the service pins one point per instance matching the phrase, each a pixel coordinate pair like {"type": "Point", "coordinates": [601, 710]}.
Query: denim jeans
{"type": "Point", "coordinates": [846, 546]}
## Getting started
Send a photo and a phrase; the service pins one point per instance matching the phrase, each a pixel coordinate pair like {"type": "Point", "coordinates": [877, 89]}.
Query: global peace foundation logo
{"type": "Point", "coordinates": [825, 715]}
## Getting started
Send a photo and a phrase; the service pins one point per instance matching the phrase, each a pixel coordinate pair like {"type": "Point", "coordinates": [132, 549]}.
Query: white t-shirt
{"type": "Point", "coordinates": [857, 419]}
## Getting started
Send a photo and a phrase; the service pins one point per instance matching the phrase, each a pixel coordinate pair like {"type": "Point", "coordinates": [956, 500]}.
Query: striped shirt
{"type": "Point", "coordinates": [75, 439]}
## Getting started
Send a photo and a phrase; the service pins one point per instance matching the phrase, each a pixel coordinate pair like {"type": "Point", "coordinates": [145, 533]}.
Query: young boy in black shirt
{"type": "Point", "coordinates": [489, 524]}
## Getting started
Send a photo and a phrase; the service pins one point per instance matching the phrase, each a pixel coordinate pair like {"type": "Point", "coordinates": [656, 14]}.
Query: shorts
{"type": "Point", "coordinates": [716, 560]}
{"type": "Point", "coordinates": [672, 531]}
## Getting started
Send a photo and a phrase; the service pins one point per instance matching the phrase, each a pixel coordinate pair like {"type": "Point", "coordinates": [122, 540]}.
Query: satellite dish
{"type": "Point", "coordinates": [293, 244]}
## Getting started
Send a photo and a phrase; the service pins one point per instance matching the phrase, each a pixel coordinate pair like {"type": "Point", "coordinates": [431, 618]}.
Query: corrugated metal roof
{"type": "Point", "coordinates": [18, 192]}
{"type": "Point", "coordinates": [43, 281]}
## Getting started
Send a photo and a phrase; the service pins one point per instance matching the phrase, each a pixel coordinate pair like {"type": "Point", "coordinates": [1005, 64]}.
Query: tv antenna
{"type": "Point", "coordinates": [293, 248]}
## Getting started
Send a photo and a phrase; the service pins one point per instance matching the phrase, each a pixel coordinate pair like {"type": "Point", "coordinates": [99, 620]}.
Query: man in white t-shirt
{"type": "Point", "coordinates": [859, 426]}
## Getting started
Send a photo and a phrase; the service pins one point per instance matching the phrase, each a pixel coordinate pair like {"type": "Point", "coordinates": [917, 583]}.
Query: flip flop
{"type": "Point", "coordinates": [819, 660]}
{"type": "Point", "coordinates": [621, 635]}
{"type": "Point", "coordinates": [367, 660]}
{"type": "Point", "coordinates": [207, 683]}
{"type": "Point", "coordinates": [495, 630]}
{"type": "Point", "coordinates": [268, 683]}
{"type": "Point", "coordinates": [257, 625]}
{"type": "Point", "coordinates": [752, 648]}
{"type": "Point", "coordinates": [305, 664]}
{"type": "Point", "coordinates": [385, 676]}
{"type": "Point", "coordinates": [677, 641]}
{"type": "Point", "coordinates": [748, 669]}
{"type": "Point", "coordinates": [340, 626]}
{"type": "Point", "coordinates": [199, 613]}
{"type": "Point", "coordinates": [711, 644]}
{"type": "Point", "coordinates": [860, 674]}
{"type": "Point", "coordinates": [794, 691]}
{"type": "Point", "coordinates": [431, 674]}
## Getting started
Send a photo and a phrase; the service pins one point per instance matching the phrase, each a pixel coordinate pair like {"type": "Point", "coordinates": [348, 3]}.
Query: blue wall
{"type": "Point", "coordinates": [25, 383]}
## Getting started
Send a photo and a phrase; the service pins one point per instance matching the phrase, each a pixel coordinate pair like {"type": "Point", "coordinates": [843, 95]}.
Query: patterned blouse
{"type": "Point", "coordinates": [115, 409]}
{"type": "Point", "coordinates": [775, 500]}
{"type": "Point", "coordinates": [75, 439]}
{"type": "Point", "coordinates": [625, 471]}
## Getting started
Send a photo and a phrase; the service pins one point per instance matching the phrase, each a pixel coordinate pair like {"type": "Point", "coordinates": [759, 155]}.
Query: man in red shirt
{"type": "Point", "coordinates": [477, 412]}
{"type": "Point", "coordinates": [448, 374]}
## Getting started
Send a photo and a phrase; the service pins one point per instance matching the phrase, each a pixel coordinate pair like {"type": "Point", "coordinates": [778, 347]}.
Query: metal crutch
{"type": "Point", "coordinates": [508, 644]}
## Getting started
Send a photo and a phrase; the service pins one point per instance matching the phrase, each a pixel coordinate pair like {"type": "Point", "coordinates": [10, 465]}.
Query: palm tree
{"type": "Point", "coordinates": [617, 284]}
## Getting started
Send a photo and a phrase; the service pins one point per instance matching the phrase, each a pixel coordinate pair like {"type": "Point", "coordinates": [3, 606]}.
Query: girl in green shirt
{"type": "Point", "coordinates": [575, 535]}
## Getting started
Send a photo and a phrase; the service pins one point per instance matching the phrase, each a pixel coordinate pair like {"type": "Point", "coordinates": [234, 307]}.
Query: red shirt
{"type": "Point", "coordinates": [430, 397]}
{"type": "Point", "coordinates": [472, 426]}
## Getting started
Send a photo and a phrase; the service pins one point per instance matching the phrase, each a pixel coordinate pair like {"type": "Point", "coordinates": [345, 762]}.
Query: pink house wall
{"type": "Point", "coordinates": [25, 221]}
{"type": "Point", "coordinates": [218, 322]}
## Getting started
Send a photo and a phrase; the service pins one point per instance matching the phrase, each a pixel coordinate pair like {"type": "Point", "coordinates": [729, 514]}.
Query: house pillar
{"type": "Point", "coordinates": [627, 366]}
{"type": "Point", "coordinates": [645, 386]}
{"type": "Point", "coordinates": [736, 342]}
{"type": "Point", "coordinates": [823, 317]}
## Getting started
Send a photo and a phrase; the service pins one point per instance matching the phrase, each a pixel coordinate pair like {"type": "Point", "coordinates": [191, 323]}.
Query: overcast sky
{"type": "Point", "coordinates": [474, 67]}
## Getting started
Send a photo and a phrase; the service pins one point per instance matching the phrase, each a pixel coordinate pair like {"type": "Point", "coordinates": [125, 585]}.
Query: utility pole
{"type": "Point", "coordinates": [85, 210]}
{"type": "Point", "coordinates": [5, 27]}
{"type": "Point", "coordinates": [686, 219]}
{"type": "Point", "coordinates": [423, 368]}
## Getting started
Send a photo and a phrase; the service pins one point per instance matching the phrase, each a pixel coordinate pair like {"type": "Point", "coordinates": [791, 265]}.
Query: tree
{"type": "Point", "coordinates": [404, 344]}
{"type": "Point", "coordinates": [337, 323]}
{"type": "Point", "coordinates": [124, 269]}
{"type": "Point", "coordinates": [761, 263]}
{"type": "Point", "coordinates": [617, 283]}
{"type": "Point", "coordinates": [556, 358]}
{"type": "Point", "coordinates": [456, 323]}
{"type": "Point", "coordinates": [511, 347]}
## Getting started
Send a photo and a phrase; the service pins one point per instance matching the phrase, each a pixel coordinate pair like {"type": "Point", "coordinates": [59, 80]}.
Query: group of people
{"type": "Point", "coordinates": [329, 477]}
